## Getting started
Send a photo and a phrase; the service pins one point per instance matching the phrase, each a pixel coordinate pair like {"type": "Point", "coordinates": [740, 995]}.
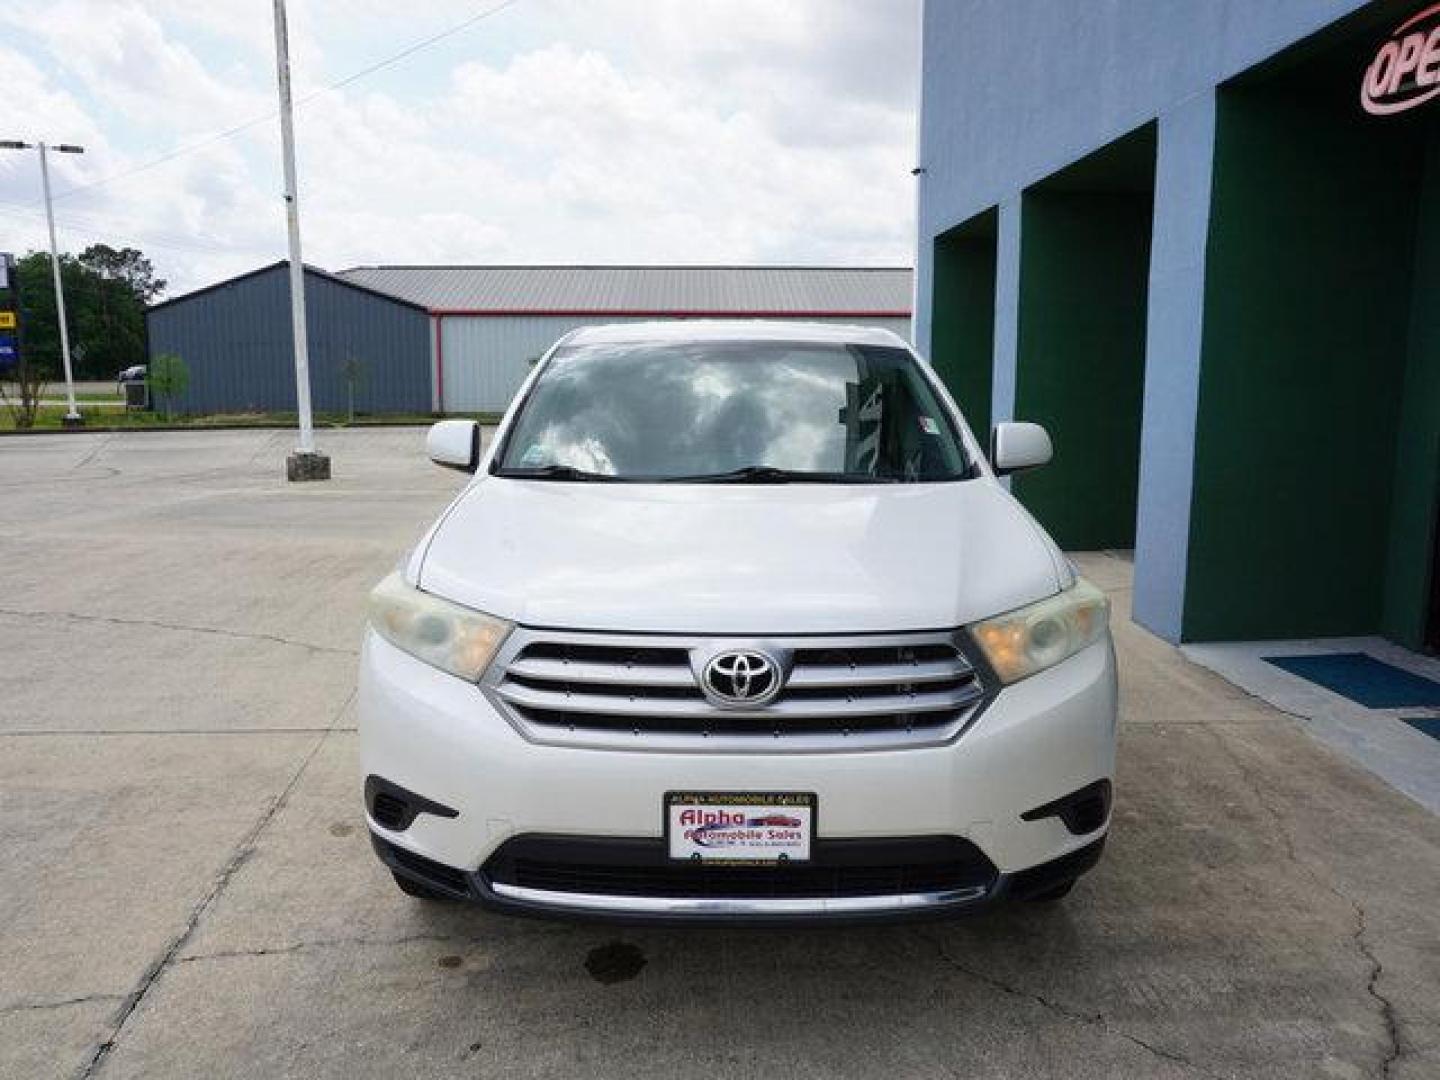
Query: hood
{"type": "Point", "coordinates": [740, 559]}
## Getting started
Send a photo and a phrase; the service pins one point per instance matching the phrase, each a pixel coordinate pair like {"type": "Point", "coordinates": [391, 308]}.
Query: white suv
{"type": "Point", "coordinates": [735, 622]}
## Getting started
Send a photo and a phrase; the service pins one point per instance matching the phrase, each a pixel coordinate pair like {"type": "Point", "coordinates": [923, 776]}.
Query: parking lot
{"type": "Point", "coordinates": [187, 887]}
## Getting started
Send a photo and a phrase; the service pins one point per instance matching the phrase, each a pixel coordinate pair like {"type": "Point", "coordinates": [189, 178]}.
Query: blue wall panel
{"type": "Point", "coordinates": [235, 338]}
{"type": "Point", "coordinates": [1013, 90]}
{"type": "Point", "coordinates": [1172, 369]}
{"type": "Point", "coordinates": [1007, 314]}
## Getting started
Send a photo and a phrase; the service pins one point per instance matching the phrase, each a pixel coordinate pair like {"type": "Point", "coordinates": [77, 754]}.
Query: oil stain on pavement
{"type": "Point", "coordinates": [616, 962]}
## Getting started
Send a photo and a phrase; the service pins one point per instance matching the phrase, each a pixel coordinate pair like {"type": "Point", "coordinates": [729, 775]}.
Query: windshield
{"type": "Point", "coordinates": [739, 412]}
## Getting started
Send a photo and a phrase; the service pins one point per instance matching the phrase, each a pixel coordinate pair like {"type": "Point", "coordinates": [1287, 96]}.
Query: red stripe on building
{"type": "Point", "coordinates": [439, 365]}
{"type": "Point", "coordinates": [589, 313]}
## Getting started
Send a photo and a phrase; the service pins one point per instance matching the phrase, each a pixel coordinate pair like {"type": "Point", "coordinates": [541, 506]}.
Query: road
{"type": "Point", "coordinates": [188, 890]}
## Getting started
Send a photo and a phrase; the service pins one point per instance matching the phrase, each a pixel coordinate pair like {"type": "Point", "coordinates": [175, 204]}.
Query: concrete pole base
{"type": "Point", "coordinates": [300, 466]}
{"type": "Point", "coordinates": [72, 421]}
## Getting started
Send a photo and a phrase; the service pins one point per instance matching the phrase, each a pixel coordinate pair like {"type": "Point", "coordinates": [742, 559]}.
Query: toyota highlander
{"type": "Point", "coordinates": [736, 621]}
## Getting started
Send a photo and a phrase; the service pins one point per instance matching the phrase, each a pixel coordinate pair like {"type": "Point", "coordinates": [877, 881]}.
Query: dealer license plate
{"type": "Point", "coordinates": [740, 828]}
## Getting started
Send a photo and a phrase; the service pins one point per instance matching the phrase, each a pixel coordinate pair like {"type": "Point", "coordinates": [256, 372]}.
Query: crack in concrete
{"type": "Point", "coordinates": [155, 624]}
{"type": "Point", "coordinates": [52, 733]}
{"type": "Point", "coordinates": [238, 858]}
{"type": "Point", "coordinates": [105, 472]}
{"type": "Point", "coordinates": [230, 954]}
{"type": "Point", "coordinates": [1386, 1006]}
{"type": "Point", "coordinates": [1394, 1049]}
{"type": "Point", "coordinates": [100, 444]}
{"type": "Point", "coordinates": [265, 447]}
{"type": "Point", "coordinates": [1095, 1020]}
{"type": "Point", "coordinates": [33, 1006]}
{"type": "Point", "coordinates": [327, 943]}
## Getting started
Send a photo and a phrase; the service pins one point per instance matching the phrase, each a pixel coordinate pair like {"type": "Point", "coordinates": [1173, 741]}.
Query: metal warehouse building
{"type": "Point", "coordinates": [491, 322]}
{"type": "Point", "coordinates": [236, 340]}
{"type": "Point", "coordinates": [1201, 243]}
{"type": "Point", "coordinates": [462, 338]}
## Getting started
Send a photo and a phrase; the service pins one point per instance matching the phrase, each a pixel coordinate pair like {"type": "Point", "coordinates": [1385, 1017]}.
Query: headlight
{"type": "Point", "coordinates": [452, 638]}
{"type": "Point", "coordinates": [1031, 639]}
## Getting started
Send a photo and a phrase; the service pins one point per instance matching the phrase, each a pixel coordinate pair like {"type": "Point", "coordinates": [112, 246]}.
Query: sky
{"type": "Point", "coordinates": [551, 131]}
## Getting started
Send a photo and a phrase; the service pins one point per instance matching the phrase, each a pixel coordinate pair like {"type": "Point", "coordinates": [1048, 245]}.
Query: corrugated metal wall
{"type": "Point", "coordinates": [486, 359]}
{"type": "Point", "coordinates": [236, 341]}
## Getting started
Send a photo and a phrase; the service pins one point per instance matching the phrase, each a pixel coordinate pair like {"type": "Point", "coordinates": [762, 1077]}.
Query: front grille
{"type": "Point", "coordinates": [840, 868]}
{"type": "Point", "coordinates": [860, 691]}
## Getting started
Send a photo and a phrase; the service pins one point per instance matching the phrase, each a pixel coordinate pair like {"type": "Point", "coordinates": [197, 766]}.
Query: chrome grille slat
{"type": "Point", "coordinates": [671, 708]}
{"type": "Point", "coordinates": [674, 675]}
{"type": "Point", "coordinates": [640, 691]}
{"type": "Point", "coordinates": [929, 671]}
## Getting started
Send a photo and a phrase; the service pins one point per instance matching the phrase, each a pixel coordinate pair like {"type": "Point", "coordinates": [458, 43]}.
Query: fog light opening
{"type": "Point", "coordinates": [1082, 811]}
{"type": "Point", "coordinates": [396, 808]}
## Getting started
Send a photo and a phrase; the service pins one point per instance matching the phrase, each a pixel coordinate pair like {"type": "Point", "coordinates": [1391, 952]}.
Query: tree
{"type": "Point", "coordinates": [126, 267]}
{"type": "Point", "coordinates": [22, 397]}
{"type": "Point", "coordinates": [352, 373]}
{"type": "Point", "coordinates": [168, 376]}
{"type": "Point", "coordinates": [27, 377]}
{"type": "Point", "coordinates": [106, 290]}
{"type": "Point", "coordinates": [110, 325]}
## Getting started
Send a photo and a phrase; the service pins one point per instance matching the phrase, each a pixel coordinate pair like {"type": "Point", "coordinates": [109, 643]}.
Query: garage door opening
{"type": "Point", "coordinates": [962, 321]}
{"type": "Point", "coordinates": [1317, 454]}
{"type": "Point", "coordinates": [1084, 280]}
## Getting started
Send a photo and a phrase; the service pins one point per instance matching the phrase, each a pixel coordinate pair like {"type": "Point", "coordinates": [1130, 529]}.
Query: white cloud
{"type": "Point", "coordinates": [559, 131]}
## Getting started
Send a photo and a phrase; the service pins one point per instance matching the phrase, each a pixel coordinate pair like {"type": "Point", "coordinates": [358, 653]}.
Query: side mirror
{"type": "Point", "coordinates": [1016, 446]}
{"type": "Point", "coordinates": [454, 444]}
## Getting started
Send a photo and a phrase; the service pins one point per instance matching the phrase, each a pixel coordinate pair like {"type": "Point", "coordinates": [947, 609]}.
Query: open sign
{"type": "Point", "coordinates": [1406, 70]}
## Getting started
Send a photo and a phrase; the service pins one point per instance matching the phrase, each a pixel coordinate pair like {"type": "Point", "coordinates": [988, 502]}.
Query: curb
{"type": "Point", "coordinates": [103, 429]}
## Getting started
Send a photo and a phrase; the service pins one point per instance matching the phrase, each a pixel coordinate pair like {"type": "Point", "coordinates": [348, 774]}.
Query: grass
{"type": "Point", "coordinates": [54, 393]}
{"type": "Point", "coordinates": [51, 413]}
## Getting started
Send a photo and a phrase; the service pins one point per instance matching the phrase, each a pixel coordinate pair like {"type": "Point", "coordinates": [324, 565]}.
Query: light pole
{"type": "Point", "coordinates": [72, 414]}
{"type": "Point", "coordinates": [305, 463]}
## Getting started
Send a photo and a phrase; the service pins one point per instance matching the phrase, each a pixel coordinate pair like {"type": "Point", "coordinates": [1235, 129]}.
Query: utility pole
{"type": "Point", "coordinates": [918, 172]}
{"type": "Point", "coordinates": [72, 416]}
{"type": "Point", "coordinates": [305, 463]}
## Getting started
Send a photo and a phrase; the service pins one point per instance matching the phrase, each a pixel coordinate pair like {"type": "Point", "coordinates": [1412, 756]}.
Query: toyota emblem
{"type": "Point", "coordinates": [741, 678]}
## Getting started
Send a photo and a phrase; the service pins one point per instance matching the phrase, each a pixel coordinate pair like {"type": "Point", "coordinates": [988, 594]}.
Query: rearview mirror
{"type": "Point", "coordinates": [454, 444]}
{"type": "Point", "coordinates": [1016, 446]}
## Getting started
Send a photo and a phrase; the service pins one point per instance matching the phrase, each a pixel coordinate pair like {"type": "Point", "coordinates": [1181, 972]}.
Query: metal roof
{"type": "Point", "coordinates": [733, 330]}
{"type": "Point", "coordinates": [644, 290]}
{"type": "Point", "coordinates": [312, 271]}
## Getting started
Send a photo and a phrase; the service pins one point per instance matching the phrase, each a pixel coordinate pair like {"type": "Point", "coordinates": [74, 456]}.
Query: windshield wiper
{"type": "Point", "coordinates": [769, 474]}
{"type": "Point", "coordinates": [554, 472]}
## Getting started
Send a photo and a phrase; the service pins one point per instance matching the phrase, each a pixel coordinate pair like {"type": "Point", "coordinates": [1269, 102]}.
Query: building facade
{"type": "Point", "coordinates": [1201, 243]}
{"type": "Point", "coordinates": [461, 339]}
{"type": "Point", "coordinates": [491, 323]}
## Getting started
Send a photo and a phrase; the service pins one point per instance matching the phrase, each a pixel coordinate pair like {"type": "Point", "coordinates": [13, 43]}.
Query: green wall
{"type": "Point", "coordinates": [1417, 451]}
{"type": "Point", "coordinates": [1308, 341]}
{"type": "Point", "coordinates": [962, 334]}
{"type": "Point", "coordinates": [1085, 259]}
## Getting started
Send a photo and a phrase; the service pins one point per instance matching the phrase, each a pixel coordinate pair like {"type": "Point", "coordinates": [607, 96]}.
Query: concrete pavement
{"type": "Point", "coordinates": [187, 888]}
{"type": "Point", "coordinates": [1378, 738]}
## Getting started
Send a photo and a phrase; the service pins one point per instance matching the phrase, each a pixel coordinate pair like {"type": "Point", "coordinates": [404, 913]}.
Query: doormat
{"type": "Point", "coordinates": [1363, 679]}
{"type": "Point", "coordinates": [1426, 725]}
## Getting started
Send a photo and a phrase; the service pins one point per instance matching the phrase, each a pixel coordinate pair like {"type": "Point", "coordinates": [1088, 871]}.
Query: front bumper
{"type": "Point", "coordinates": [513, 899]}
{"type": "Point", "coordinates": [439, 737]}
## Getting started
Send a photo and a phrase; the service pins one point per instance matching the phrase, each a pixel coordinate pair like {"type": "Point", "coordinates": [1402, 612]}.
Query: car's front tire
{"type": "Point", "coordinates": [411, 887]}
